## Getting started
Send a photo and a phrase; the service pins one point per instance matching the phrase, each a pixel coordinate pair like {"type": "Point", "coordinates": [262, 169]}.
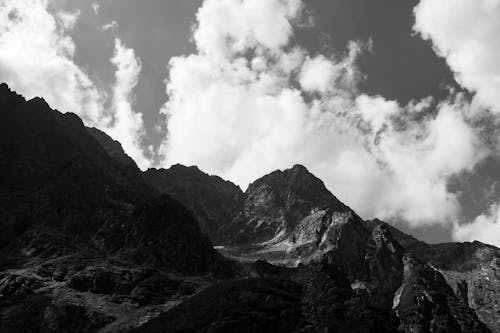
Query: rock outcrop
{"type": "Point", "coordinates": [470, 269]}
{"type": "Point", "coordinates": [214, 201]}
{"type": "Point", "coordinates": [276, 204]}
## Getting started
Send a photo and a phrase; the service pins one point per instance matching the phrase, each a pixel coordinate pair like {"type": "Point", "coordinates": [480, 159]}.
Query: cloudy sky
{"type": "Point", "coordinates": [395, 104]}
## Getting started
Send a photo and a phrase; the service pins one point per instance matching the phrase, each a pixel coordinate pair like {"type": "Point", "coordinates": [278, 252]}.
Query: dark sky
{"type": "Point", "coordinates": [402, 66]}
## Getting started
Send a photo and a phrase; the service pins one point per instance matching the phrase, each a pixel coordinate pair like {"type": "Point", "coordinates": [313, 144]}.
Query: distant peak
{"type": "Point", "coordinates": [182, 166]}
{"type": "Point", "coordinates": [298, 171]}
{"type": "Point", "coordinates": [39, 101]}
{"type": "Point", "coordinates": [4, 87]}
{"type": "Point", "coordinates": [299, 168]}
{"type": "Point", "coordinates": [6, 92]}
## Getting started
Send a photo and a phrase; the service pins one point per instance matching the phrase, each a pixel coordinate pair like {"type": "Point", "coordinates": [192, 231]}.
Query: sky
{"type": "Point", "coordinates": [394, 104]}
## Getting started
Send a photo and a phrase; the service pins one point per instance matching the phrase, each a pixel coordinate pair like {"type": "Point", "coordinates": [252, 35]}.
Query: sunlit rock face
{"type": "Point", "coordinates": [384, 258]}
{"type": "Point", "coordinates": [276, 203]}
{"type": "Point", "coordinates": [479, 288]}
{"type": "Point", "coordinates": [426, 303]}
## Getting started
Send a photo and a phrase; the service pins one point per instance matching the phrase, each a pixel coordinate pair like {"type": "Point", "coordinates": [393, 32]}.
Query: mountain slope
{"type": "Point", "coordinates": [275, 204]}
{"type": "Point", "coordinates": [213, 200]}
{"type": "Point", "coordinates": [82, 231]}
{"type": "Point", "coordinates": [289, 217]}
{"type": "Point", "coordinates": [472, 270]}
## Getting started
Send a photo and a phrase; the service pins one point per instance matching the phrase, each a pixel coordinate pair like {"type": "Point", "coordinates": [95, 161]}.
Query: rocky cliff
{"type": "Point", "coordinates": [214, 201]}
{"type": "Point", "coordinates": [85, 241]}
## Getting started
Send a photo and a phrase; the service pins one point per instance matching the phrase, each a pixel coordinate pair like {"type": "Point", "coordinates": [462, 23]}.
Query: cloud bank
{"type": "Point", "coordinates": [36, 59]}
{"type": "Point", "coordinates": [466, 34]}
{"type": "Point", "coordinates": [250, 101]}
{"type": "Point", "coordinates": [485, 228]}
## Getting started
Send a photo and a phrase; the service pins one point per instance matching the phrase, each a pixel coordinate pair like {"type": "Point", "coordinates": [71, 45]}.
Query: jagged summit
{"type": "Point", "coordinates": [214, 201]}
{"type": "Point", "coordinates": [271, 207]}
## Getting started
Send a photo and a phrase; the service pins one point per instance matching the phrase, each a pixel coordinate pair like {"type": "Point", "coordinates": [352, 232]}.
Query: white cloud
{"type": "Point", "coordinates": [95, 7]}
{"type": "Point", "coordinates": [36, 59]}
{"type": "Point", "coordinates": [226, 27]}
{"type": "Point", "coordinates": [237, 108]}
{"type": "Point", "coordinates": [421, 159]}
{"type": "Point", "coordinates": [128, 126]}
{"type": "Point", "coordinates": [318, 74]}
{"type": "Point", "coordinates": [466, 33]}
{"type": "Point", "coordinates": [68, 19]}
{"type": "Point", "coordinates": [485, 228]}
{"type": "Point", "coordinates": [112, 25]}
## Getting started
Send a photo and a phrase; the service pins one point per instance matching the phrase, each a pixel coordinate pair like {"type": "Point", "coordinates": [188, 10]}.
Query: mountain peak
{"type": "Point", "coordinates": [4, 87]}
{"type": "Point", "coordinates": [276, 203]}
{"type": "Point", "coordinates": [213, 200]}
{"type": "Point", "coordinates": [299, 168]}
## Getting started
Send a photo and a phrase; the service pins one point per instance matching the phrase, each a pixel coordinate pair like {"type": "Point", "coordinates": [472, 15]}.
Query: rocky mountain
{"type": "Point", "coordinates": [289, 217]}
{"type": "Point", "coordinates": [289, 204]}
{"type": "Point", "coordinates": [472, 270]}
{"type": "Point", "coordinates": [214, 201]}
{"type": "Point", "coordinates": [276, 204]}
{"type": "Point", "coordinates": [85, 242]}
{"type": "Point", "coordinates": [92, 244]}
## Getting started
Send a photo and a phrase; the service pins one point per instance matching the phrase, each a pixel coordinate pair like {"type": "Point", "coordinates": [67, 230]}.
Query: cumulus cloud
{"type": "Point", "coordinates": [128, 125]}
{"type": "Point", "coordinates": [226, 27]}
{"type": "Point", "coordinates": [485, 228]}
{"type": "Point", "coordinates": [249, 101]}
{"type": "Point", "coordinates": [421, 158]}
{"type": "Point", "coordinates": [466, 33]}
{"type": "Point", "coordinates": [36, 59]}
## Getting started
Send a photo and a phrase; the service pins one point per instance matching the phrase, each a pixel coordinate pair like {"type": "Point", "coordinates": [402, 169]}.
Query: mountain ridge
{"type": "Point", "coordinates": [89, 246]}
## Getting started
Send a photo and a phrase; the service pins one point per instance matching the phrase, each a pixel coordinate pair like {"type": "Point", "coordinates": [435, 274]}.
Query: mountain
{"type": "Point", "coordinates": [283, 204]}
{"type": "Point", "coordinates": [472, 270]}
{"type": "Point", "coordinates": [89, 243]}
{"type": "Point", "coordinates": [289, 217]}
{"type": "Point", "coordinates": [214, 201]}
{"type": "Point", "coordinates": [82, 231]}
{"type": "Point", "coordinates": [275, 204]}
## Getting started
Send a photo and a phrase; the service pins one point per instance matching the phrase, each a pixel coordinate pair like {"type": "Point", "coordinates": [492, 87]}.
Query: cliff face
{"type": "Point", "coordinates": [82, 231]}
{"type": "Point", "coordinates": [214, 201]}
{"type": "Point", "coordinates": [472, 270]}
